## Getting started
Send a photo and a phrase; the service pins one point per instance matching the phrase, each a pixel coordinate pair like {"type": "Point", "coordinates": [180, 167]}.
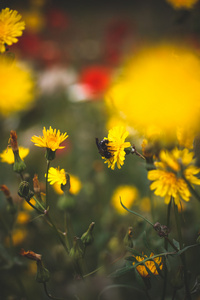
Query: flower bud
{"type": "Point", "coordinates": [11, 207]}
{"type": "Point", "coordinates": [128, 239]}
{"type": "Point", "coordinates": [42, 273]}
{"type": "Point", "coordinates": [66, 187]}
{"type": "Point", "coordinates": [76, 251]}
{"type": "Point", "coordinates": [24, 191]}
{"type": "Point", "coordinates": [50, 154]}
{"type": "Point", "coordinates": [19, 165]}
{"type": "Point", "coordinates": [87, 237]}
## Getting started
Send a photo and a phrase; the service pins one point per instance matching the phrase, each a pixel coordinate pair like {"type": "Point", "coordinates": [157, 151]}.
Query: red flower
{"type": "Point", "coordinates": [96, 79]}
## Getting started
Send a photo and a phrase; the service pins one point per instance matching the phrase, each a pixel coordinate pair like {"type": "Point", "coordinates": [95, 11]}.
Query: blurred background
{"type": "Point", "coordinates": [75, 51]}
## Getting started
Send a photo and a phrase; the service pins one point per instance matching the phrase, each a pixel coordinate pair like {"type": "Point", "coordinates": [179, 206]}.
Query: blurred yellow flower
{"type": "Point", "coordinates": [158, 89]}
{"type": "Point", "coordinates": [56, 175]}
{"type": "Point", "coordinates": [16, 87]}
{"type": "Point", "coordinates": [18, 236]}
{"type": "Point", "coordinates": [128, 195]}
{"type": "Point", "coordinates": [10, 27]}
{"type": "Point", "coordinates": [50, 139]}
{"type": "Point", "coordinates": [185, 137]}
{"type": "Point", "coordinates": [7, 155]}
{"type": "Point", "coordinates": [34, 20]}
{"type": "Point", "coordinates": [75, 186]}
{"type": "Point", "coordinates": [150, 264]}
{"type": "Point", "coordinates": [166, 179]}
{"type": "Point", "coordinates": [26, 206]}
{"type": "Point", "coordinates": [182, 3]}
{"type": "Point", "coordinates": [23, 217]}
{"type": "Point", "coordinates": [116, 145]}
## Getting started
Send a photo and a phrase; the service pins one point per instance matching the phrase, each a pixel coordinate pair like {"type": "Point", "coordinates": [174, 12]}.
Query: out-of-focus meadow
{"type": "Point", "coordinates": [85, 67]}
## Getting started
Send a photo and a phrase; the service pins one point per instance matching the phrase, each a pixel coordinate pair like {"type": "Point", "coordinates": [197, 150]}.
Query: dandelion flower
{"type": "Point", "coordinates": [16, 87]}
{"type": "Point", "coordinates": [10, 27]}
{"type": "Point", "coordinates": [127, 193]}
{"type": "Point", "coordinates": [150, 264]}
{"type": "Point", "coordinates": [166, 179]}
{"type": "Point", "coordinates": [56, 175]}
{"type": "Point", "coordinates": [7, 155]}
{"type": "Point", "coordinates": [50, 139]}
{"type": "Point", "coordinates": [116, 145]}
{"type": "Point", "coordinates": [177, 4]}
{"type": "Point", "coordinates": [159, 87]}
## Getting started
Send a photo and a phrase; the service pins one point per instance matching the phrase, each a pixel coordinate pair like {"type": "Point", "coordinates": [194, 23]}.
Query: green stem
{"type": "Point", "coordinates": [21, 175]}
{"type": "Point", "coordinates": [39, 204]}
{"type": "Point", "coordinates": [136, 214]}
{"type": "Point", "coordinates": [47, 196]}
{"type": "Point", "coordinates": [182, 256]}
{"type": "Point", "coordinates": [66, 222]}
{"type": "Point", "coordinates": [49, 295]}
{"type": "Point", "coordinates": [56, 231]}
{"type": "Point", "coordinates": [166, 247]}
{"type": "Point", "coordinates": [34, 207]}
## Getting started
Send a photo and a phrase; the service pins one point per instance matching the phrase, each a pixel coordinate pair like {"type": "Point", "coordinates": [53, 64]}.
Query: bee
{"type": "Point", "coordinates": [103, 148]}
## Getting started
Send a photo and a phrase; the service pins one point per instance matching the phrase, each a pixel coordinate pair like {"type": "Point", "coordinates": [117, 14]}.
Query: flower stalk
{"type": "Point", "coordinates": [182, 256]}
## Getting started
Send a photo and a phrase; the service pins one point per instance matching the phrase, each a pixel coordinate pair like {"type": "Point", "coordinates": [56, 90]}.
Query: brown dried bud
{"type": "Point", "coordinates": [13, 140]}
{"type": "Point", "coordinates": [162, 230]}
{"type": "Point", "coordinates": [128, 239]}
{"type": "Point", "coordinates": [36, 184]}
{"type": "Point", "coordinates": [5, 190]}
{"type": "Point", "coordinates": [31, 255]}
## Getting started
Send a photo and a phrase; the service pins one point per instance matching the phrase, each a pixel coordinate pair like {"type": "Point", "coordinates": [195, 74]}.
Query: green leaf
{"type": "Point", "coordinates": [121, 271]}
{"type": "Point", "coordinates": [186, 248]}
{"type": "Point", "coordinates": [140, 280]}
{"type": "Point", "coordinates": [176, 243]}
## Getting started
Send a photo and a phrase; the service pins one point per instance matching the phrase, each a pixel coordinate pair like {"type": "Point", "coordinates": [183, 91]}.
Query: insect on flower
{"type": "Point", "coordinates": [103, 148]}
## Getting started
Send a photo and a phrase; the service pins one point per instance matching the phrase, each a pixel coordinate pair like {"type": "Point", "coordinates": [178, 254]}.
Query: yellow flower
{"type": "Point", "coordinates": [166, 179]}
{"type": "Point", "coordinates": [150, 264]}
{"type": "Point", "coordinates": [116, 145]}
{"type": "Point", "coordinates": [56, 175]}
{"type": "Point", "coordinates": [50, 139]}
{"type": "Point", "coordinates": [75, 186]}
{"type": "Point", "coordinates": [23, 217]}
{"type": "Point", "coordinates": [10, 27]}
{"type": "Point", "coordinates": [16, 87]}
{"type": "Point", "coordinates": [182, 3]}
{"type": "Point", "coordinates": [128, 195]}
{"type": "Point", "coordinates": [34, 20]}
{"type": "Point", "coordinates": [8, 156]}
{"type": "Point", "coordinates": [28, 207]}
{"type": "Point", "coordinates": [185, 137]}
{"type": "Point", "coordinates": [159, 88]}
{"type": "Point", "coordinates": [18, 236]}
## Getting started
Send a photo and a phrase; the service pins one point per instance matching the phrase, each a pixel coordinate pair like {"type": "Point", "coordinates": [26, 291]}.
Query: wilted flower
{"type": "Point", "coordinates": [10, 27]}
